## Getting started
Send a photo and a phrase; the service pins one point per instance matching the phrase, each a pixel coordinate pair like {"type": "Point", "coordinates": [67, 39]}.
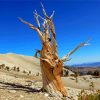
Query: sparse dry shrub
{"type": "Point", "coordinates": [29, 72]}
{"type": "Point", "coordinates": [2, 66]}
{"type": "Point", "coordinates": [84, 96]}
{"type": "Point", "coordinates": [73, 75]}
{"type": "Point", "coordinates": [96, 73]}
{"type": "Point", "coordinates": [38, 74]}
{"type": "Point", "coordinates": [72, 78]}
{"type": "Point", "coordinates": [91, 86]}
{"type": "Point", "coordinates": [65, 73]}
{"type": "Point", "coordinates": [98, 91]}
{"type": "Point", "coordinates": [24, 72]}
{"type": "Point", "coordinates": [76, 76]}
{"type": "Point", "coordinates": [89, 73]}
{"type": "Point", "coordinates": [7, 68]}
{"type": "Point", "coordinates": [18, 69]}
{"type": "Point", "coordinates": [14, 68]}
{"type": "Point", "coordinates": [90, 97]}
{"type": "Point", "coordinates": [90, 77]}
{"type": "Point", "coordinates": [84, 78]}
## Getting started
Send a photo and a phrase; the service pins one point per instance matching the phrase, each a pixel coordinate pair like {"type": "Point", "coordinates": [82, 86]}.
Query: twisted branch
{"type": "Point", "coordinates": [34, 28]}
{"type": "Point", "coordinates": [79, 46]}
{"type": "Point", "coordinates": [37, 21]}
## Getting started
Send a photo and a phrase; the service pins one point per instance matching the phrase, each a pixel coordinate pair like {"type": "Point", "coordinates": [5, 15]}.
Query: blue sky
{"type": "Point", "coordinates": [75, 21]}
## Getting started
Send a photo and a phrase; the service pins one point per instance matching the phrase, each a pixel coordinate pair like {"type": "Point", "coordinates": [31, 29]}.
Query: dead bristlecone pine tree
{"type": "Point", "coordinates": [51, 64]}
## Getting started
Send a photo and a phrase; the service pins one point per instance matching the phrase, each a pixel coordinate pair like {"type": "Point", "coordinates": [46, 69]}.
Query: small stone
{"type": "Point", "coordinates": [38, 88]}
{"type": "Point", "coordinates": [46, 94]}
{"type": "Point", "coordinates": [12, 91]}
{"type": "Point", "coordinates": [21, 96]}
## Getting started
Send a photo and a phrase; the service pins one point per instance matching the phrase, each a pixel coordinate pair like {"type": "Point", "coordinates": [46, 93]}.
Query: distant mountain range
{"type": "Point", "coordinates": [84, 68]}
{"type": "Point", "coordinates": [93, 64]}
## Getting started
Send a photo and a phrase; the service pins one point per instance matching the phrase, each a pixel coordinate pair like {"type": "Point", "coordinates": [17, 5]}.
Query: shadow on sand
{"type": "Point", "coordinates": [13, 86]}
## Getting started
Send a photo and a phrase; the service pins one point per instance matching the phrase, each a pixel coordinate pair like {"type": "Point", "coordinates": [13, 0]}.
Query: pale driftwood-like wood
{"type": "Point", "coordinates": [51, 64]}
{"type": "Point", "coordinates": [79, 46]}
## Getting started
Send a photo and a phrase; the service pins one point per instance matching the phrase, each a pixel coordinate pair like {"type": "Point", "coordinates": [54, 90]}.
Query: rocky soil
{"type": "Point", "coordinates": [24, 85]}
{"type": "Point", "coordinates": [20, 86]}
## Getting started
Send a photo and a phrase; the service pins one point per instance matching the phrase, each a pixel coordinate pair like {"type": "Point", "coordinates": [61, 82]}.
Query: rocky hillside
{"type": "Point", "coordinates": [16, 85]}
{"type": "Point", "coordinates": [26, 63]}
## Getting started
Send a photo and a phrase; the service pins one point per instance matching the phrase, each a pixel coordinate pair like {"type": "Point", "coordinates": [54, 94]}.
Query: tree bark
{"type": "Point", "coordinates": [51, 67]}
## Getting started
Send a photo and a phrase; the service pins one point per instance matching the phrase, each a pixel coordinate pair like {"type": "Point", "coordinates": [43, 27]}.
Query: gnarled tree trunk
{"type": "Point", "coordinates": [51, 67]}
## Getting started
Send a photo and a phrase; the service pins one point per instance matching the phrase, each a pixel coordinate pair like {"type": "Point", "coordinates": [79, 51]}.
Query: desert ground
{"type": "Point", "coordinates": [25, 82]}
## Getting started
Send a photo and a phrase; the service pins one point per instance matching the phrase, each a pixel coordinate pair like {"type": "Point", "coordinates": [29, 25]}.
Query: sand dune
{"type": "Point", "coordinates": [27, 63]}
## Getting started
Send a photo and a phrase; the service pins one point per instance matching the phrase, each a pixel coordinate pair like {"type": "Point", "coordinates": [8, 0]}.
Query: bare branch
{"type": "Point", "coordinates": [49, 20]}
{"type": "Point", "coordinates": [44, 12]}
{"type": "Point", "coordinates": [39, 16]}
{"type": "Point", "coordinates": [36, 17]}
{"type": "Point", "coordinates": [79, 46]}
{"type": "Point", "coordinates": [54, 45]}
{"type": "Point", "coordinates": [34, 28]}
{"type": "Point", "coordinates": [36, 53]}
{"type": "Point", "coordinates": [52, 28]}
{"type": "Point", "coordinates": [69, 59]}
{"type": "Point", "coordinates": [52, 15]}
{"type": "Point", "coordinates": [27, 23]}
{"type": "Point", "coordinates": [46, 32]}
